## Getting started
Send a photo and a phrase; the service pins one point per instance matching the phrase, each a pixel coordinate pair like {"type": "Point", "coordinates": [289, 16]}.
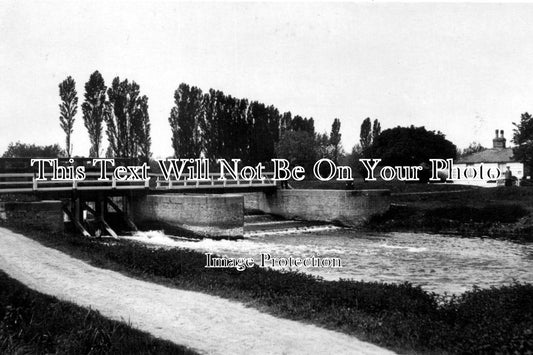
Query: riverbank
{"type": "Point", "coordinates": [501, 212]}
{"type": "Point", "coordinates": [400, 317]}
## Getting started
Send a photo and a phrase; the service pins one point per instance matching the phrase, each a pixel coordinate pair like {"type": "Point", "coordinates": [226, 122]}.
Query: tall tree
{"type": "Point", "coordinates": [141, 130]}
{"type": "Point", "coordinates": [335, 140]}
{"type": "Point", "coordinates": [209, 125]}
{"type": "Point", "coordinates": [376, 129]}
{"type": "Point", "coordinates": [523, 138]}
{"type": "Point", "coordinates": [126, 116]}
{"type": "Point", "coordinates": [264, 135]}
{"type": "Point", "coordinates": [94, 111]}
{"type": "Point", "coordinates": [365, 135]}
{"type": "Point", "coordinates": [68, 109]}
{"type": "Point", "coordinates": [185, 121]}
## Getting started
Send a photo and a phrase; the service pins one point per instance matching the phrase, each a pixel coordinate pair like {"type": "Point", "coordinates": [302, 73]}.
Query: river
{"type": "Point", "coordinates": [441, 264]}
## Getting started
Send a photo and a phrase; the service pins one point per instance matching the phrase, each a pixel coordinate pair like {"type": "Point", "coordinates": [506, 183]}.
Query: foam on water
{"type": "Point", "coordinates": [437, 263]}
{"type": "Point", "coordinates": [285, 231]}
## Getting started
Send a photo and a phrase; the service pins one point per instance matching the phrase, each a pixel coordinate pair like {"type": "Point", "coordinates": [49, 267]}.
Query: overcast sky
{"type": "Point", "coordinates": [465, 70]}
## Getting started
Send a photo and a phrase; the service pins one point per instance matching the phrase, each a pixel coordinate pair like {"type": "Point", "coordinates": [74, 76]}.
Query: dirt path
{"type": "Point", "coordinates": [206, 323]}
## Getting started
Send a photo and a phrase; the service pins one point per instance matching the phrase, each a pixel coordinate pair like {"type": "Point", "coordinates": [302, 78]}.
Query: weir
{"type": "Point", "coordinates": [345, 207]}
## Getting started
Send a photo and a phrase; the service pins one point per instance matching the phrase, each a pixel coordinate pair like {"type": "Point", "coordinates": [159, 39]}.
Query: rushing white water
{"type": "Point", "coordinates": [437, 263]}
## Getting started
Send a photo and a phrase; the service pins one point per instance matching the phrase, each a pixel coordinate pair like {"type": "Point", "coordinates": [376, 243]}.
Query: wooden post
{"type": "Point", "coordinates": [125, 212]}
{"type": "Point", "coordinates": [78, 212]}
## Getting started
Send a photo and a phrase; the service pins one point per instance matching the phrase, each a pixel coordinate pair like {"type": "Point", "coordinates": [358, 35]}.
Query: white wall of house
{"type": "Point", "coordinates": [517, 169]}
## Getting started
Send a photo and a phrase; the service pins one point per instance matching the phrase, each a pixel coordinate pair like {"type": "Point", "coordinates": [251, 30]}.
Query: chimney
{"type": "Point", "coordinates": [499, 141]}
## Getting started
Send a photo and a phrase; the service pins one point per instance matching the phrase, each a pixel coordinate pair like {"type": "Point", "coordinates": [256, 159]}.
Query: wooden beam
{"type": "Point", "coordinates": [76, 223]}
{"type": "Point", "coordinates": [124, 215]}
{"type": "Point", "coordinates": [108, 229]}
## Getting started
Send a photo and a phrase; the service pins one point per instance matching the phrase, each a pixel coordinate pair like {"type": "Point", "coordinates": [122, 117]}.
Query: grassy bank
{"type": "Point", "coordinates": [33, 323]}
{"type": "Point", "coordinates": [400, 317]}
{"type": "Point", "coordinates": [502, 212]}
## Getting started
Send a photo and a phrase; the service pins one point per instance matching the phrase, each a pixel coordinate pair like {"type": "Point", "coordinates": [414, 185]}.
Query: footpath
{"type": "Point", "coordinates": [205, 323]}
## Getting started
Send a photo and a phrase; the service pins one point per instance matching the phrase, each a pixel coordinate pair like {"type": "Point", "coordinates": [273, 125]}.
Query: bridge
{"type": "Point", "coordinates": [17, 176]}
{"type": "Point", "coordinates": [91, 200]}
{"type": "Point", "coordinates": [212, 207]}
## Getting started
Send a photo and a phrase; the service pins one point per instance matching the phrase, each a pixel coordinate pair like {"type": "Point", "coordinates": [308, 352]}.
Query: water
{"type": "Point", "coordinates": [442, 264]}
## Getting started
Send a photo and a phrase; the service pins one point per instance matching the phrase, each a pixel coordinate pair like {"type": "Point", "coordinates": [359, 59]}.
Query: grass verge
{"type": "Point", "coordinates": [401, 317]}
{"type": "Point", "coordinates": [33, 323]}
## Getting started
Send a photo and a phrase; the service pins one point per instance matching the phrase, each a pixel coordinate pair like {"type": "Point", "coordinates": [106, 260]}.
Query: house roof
{"type": "Point", "coordinates": [494, 155]}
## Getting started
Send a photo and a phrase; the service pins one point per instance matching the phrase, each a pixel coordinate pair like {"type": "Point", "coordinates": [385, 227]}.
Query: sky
{"type": "Point", "coordinates": [462, 69]}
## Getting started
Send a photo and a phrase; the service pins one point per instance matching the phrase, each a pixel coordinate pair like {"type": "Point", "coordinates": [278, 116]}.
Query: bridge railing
{"type": "Point", "coordinates": [28, 182]}
{"type": "Point", "coordinates": [213, 182]}
{"type": "Point", "coordinates": [16, 182]}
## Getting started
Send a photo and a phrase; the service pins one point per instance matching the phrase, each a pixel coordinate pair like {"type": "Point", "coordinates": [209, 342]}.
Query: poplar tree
{"type": "Point", "coordinates": [127, 119]}
{"type": "Point", "coordinates": [209, 125]}
{"type": "Point", "coordinates": [365, 135]}
{"type": "Point", "coordinates": [94, 111]}
{"type": "Point", "coordinates": [68, 109]}
{"type": "Point", "coordinates": [184, 120]}
{"type": "Point", "coordinates": [141, 130]}
{"type": "Point", "coordinates": [376, 129]}
{"type": "Point", "coordinates": [335, 140]}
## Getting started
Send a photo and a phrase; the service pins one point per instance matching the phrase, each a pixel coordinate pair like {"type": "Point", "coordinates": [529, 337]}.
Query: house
{"type": "Point", "coordinates": [499, 157]}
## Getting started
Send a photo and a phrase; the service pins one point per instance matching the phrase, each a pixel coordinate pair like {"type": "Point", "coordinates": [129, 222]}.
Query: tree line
{"type": "Point", "coordinates": [211, 125]}
{"type": "Point", "coordinates": [121, 108]}
{"type": "Point", "coordinates": [215, 125]}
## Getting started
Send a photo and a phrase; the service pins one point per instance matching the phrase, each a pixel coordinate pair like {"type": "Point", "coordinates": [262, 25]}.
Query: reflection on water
{"type": "Point", "coordinates": [437, 263]}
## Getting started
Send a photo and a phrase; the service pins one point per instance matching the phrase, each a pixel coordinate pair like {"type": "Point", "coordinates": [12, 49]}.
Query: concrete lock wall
{"type": "Point", "coordinates": [44, 215]}
{"type": "Point", "coordinates": [209, 215]}
{"type": "Point", "coordinates": [346, 207]}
